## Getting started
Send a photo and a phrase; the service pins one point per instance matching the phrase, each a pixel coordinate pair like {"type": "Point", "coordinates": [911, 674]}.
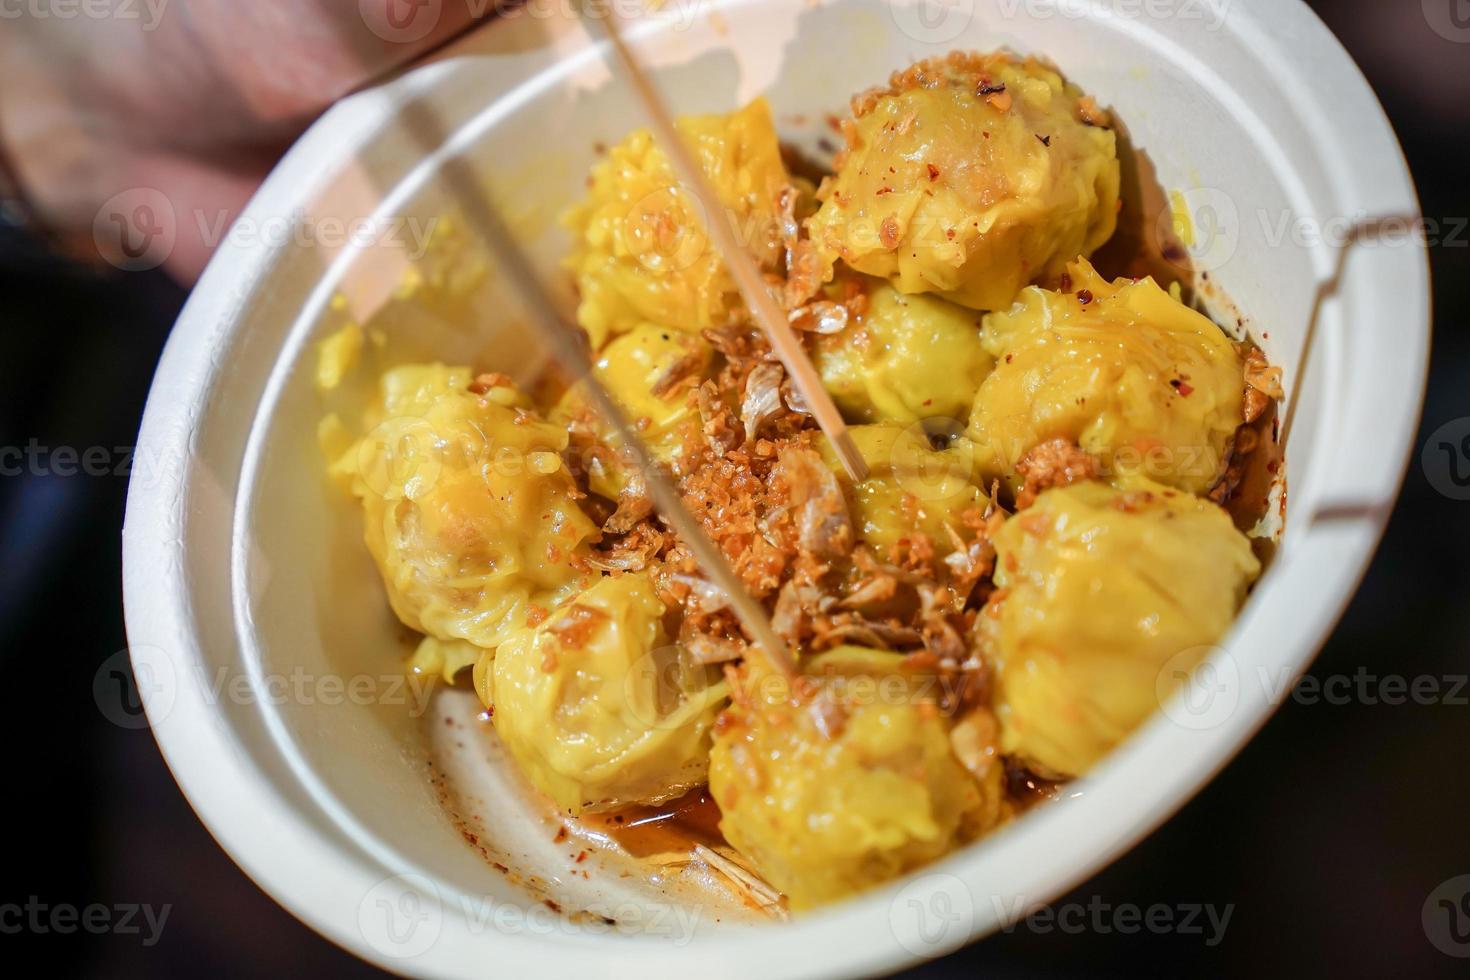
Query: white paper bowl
{"type": "Point", "coordinates": [247, 585]}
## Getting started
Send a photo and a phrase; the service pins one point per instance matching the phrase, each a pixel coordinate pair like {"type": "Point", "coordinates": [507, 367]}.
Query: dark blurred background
{"type": "Point", "coordinates": [1327, 835]}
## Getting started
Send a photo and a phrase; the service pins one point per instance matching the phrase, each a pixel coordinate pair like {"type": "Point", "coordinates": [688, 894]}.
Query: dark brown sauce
{"type": "Point", "coordinates": [1025, 789]}
{"type": "Point", "coordinates": [677, 825]}
{"type": "Point", "coordinates": [1263, 469]}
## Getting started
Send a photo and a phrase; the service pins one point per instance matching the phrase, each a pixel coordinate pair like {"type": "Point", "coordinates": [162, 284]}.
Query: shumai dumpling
{"type": "Point", "coordinates": [641, 253]}
{"type": "Point", "coordinates": [906, 358]}
{"type": "Point", "coordinates": [649, 371]}
{"type": "Point", "coordinates": [843, 781]}
{"type": "Point", "coordinates": [970, 176]}
{"type": "Point", "coordinates": [1099, 590]}
{"type": "Point", "coordinates": [912, 488]}
{"type": "Point", "coordinates": [1123, 369]}
{"type": "Point", "coordinates": [597, 705]}
{"type": "Point", "coordinates": [469, 510]}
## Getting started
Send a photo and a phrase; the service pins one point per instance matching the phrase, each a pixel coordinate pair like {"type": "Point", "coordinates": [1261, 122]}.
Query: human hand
{"type": "Point", "coordinates": [192, 99]}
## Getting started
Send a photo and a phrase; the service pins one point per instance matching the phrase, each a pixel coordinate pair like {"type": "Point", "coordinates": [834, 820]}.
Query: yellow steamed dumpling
{"type": "Point", "coordinates": [598, 707]}
{"type": "Point", "coordinates": [1100, 591]}
{"type": "Point", "coordinates": [641, 254]}
{"type": "Point", "coordinates": [843, 781]}
{"type": "Point", "coordinates": [1133, 376]}
{"type": "Point", "coordinates": [905, 359]}
{"type": "Point", "coordinates": [648, 370]}
{"type": "Point", "coordinates": [971, 176]}
{"type": "Point", "coordinates": [912, 488]}
{"type": "Point", "coordinates": [469, 511]}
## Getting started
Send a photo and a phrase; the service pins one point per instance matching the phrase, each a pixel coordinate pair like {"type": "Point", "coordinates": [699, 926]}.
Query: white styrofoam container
{"type": "Point", "coordinates": [243, 570]}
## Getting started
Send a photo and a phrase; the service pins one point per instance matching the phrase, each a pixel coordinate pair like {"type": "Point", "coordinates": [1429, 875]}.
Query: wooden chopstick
{"type": "Point", "coordinates": [763, 306]}
{"type": "Point", "coordinates": [569, 348]}
{"type": "Point", "coordinates": [568, 345]}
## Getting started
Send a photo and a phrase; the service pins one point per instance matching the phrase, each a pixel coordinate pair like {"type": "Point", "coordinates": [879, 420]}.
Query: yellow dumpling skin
{"type": "Point", "coordinates": [907, 358]}
{"type": "Point", "coordinates": [596, 705]}
{"type": "Point", "coordinates": [837, 785]}
{"type": "Point", "coordinates": [640, 252]}
{"type": "Point", "coordinates": [1101, 590]}
{"type": "Point", "coordinates": [912, 488]}
{"type": "Point", "coordinates": [469, 511]}
{"type": "Point", "coordinates": [971, 176]}
{"type": "Point", "coordinates": [1133, 376]}
{"type": "Point", "coordinates": [648, 371]}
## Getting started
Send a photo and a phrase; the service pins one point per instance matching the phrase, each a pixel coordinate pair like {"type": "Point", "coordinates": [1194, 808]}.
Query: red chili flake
{"type": "Point", "coordinates": [561, 835]}
{"type": "Point", "coordinates": [1084, 296]}
{"type": "Point", "coordinates": [1185, 390]}
{"type": "Point", "coordinates": [581, 857]}
{"type": "Point", "coordinates": [933, 171]}
{"type": "Point", "coordinates": [888, 232]}
{"type": "Point", "coordinates": [882, 190]}
{"type": "Point", "coordinates": [987, 87]}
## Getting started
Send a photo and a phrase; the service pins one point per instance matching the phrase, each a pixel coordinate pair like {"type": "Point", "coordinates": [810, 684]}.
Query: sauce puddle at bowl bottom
{"type": "Point", "coordinates": [628, 868]}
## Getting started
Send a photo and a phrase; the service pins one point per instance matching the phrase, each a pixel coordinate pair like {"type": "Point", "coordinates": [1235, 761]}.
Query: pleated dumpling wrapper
{"type": "Point", "coordinates": [905, 358]}
{"type": "Point", "coordinates": [468, 508]}
{"type": "Point", "coordinates": [1106, 598]}
{"type": "Point", "coordinates": [640, 252]}
{"type": "Point", "coordinates": [843, 779]}
{"type": "Point", "coordinates": [1141, 382]}
{"type": "Point", "coordinates": [970, 176]}
{"type": "Point", "coordinates": [598, 706]}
